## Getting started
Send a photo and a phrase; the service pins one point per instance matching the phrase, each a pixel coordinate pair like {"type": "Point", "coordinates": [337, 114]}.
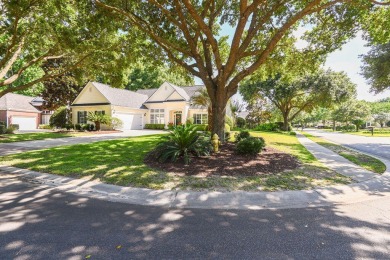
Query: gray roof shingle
{"type": "Point", "coordinates": [121, 97]}
{"type": "Point", "coordinates": [17, 102]}
{"type": "Point", "coordinates": [147, 92]}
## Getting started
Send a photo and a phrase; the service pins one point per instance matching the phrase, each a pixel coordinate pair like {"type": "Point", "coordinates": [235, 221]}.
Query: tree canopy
{"type": "Point", "coordinates": [35, 32]}
{"type": "Point", "coordinates": [151, 75]}
{"type": "Point", "coordinates": [376, 67]}
{"type": "Point", "coordinates": [304, 93]}
{"type": "Point", "coordinates": [190, 34]}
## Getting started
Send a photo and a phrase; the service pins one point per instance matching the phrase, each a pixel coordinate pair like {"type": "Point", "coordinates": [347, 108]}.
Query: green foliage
{"type": "Point", "coordinates": [201, 127]}
{"type": "Point", "coordinates": [183, 142]}
{"type": "Point", "coordinates": [297, 94]}
{"type": "Point", "coordinates": [116, 123]}
{"type": "Point", "coordinates": [376, 68]}
{"type": "Point", "coordinates": [227, 128]}
{"type": "Point", "coordinates": [98, 119]}
{"type": "Point", "coordinates": [229, 121]}
{"type": "Point", "coordinates": [58, 119]}
{"type": "Point", "coordinates": [45, 127]}
{"type": "Point", "coordinates": [250, 145]}
{"type": "Point", "coordinates": [242, 135]}
{"type": "Point", "coordinates": [155, 126]}
{"type": "Point", "coordinates": [3, 128]}
{"type": "Point", "coordinates": [267, 127]}
{"type": "Point", "coordinates": [147, 75]}
{"type": "Point", "coordinates": [240, 122]}
{"type": "Point", "coordinates": [358, 122]}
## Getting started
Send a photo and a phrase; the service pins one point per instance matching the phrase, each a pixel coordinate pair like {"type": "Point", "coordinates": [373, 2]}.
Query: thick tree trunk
{"type": "Point", "coordinates": [285, 121]}
{"type": "Point", "coordinates": [218, 119]}
{"type": "Point", "coordinates": [334, 125]}
{"type": "Point", "coordinates": [210, 118]}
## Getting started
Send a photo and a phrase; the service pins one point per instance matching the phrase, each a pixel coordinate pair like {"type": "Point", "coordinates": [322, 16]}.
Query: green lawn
{"type": "Point", "coordinates": [363, 160]}
{"type": "Point", "coordinates": [121, 162]}
{"type": "Point", "coordinates": [376, 134]}
{"type": "Point", "coordinates": [10, 138]}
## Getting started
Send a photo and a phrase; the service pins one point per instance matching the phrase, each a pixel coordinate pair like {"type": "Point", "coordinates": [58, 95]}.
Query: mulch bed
{"type": "Point", "coordinates": [228, 163]}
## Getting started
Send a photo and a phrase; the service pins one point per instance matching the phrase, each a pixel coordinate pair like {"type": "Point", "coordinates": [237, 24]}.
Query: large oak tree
{"type": "Point", "coordinates": [189, 33]}
{"type": "Point", "coordinates": [35, 32]}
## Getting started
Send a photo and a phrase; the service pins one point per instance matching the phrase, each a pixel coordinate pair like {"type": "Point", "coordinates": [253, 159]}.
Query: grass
{"type": "Point", "coordinates": [364, 133]}
{"type": "Point", "coordinates": [10, 138]}
{"type": "Point", "coordinates": [363, 160]}
{"type": "Point", "coordinates": [121, 162]}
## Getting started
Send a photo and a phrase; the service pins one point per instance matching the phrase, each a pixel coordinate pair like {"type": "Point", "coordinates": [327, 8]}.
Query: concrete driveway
{"type": "Point", "coordinates": [17, 147]}
{"type": "Point", "coordinates": [377, 146]}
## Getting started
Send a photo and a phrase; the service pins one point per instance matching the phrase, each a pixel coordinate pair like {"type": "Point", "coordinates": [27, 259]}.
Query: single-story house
{"type": "Point", "coordinates": [25, 111]}
{"type": "Point", "coordinates": [164, 105]}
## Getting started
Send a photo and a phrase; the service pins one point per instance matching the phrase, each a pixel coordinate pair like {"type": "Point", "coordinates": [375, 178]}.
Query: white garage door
{"type": "Point", "coordinates": [25, 123]}
{"type": "Point", "coordinates": [130, 121]}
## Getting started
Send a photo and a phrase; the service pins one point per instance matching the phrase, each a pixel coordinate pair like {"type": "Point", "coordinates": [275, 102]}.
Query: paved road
{"type": "Point", "coordinates": [17, 147]}
{"type": "Point", "coordinates": [379, 146]}
{"type": "Point", "coordinates": [39, 223]}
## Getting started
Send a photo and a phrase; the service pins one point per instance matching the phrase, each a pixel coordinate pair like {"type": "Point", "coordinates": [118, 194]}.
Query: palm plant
{"type": "Point", "coordinates": [98, 119]}
{"type": "Point", "coordinates": [182, 142]}
{"type": "Point", "coordinates": [202, 99]}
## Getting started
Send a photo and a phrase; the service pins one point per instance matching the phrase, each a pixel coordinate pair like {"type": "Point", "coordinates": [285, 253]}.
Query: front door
{"type": "Point", "coordinates": [177, 119]}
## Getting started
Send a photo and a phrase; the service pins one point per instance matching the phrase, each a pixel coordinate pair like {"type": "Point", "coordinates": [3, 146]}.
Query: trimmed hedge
{"type": "Point", "coordinates": [154, 126]}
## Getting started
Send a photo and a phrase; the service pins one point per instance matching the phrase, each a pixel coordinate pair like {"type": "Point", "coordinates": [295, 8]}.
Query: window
{"type": "Point", "coordinates": [200, 119]}
{"type": "Point", "coordinates": [100, 112]}
{"type": "Point", "coordinates": [157, 116]}
{"type": "Point", "coordinates": [81, 117]}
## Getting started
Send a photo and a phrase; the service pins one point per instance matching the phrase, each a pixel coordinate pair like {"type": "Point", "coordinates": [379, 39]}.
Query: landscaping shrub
{"type": "Point", "coordinates": [11, 129]}
{"type": "Point", "coordinates": [116, 123]}
{"type": "Point", "coordinates": [228, 135]}
{"type": "Point", "coordinates": [44, 127]}
{"type": "Point", "coordinates": [227, 128]}
{"type": "Point", "coordinates": [292, 133]}
{"type": "Point", "coordinates": [77, 127]}
{"type": "Point", "coordinates": [240, 122]}
{"type": "Point", "coordinates": [58, 119]}
{"type": "Point", "coordinates": [85, 127]}
{"type": "Point", "coordinates": [348, 128]}
{"type": "Point", "coordinates": [182, 142]}
{"type": "Point", "coordinates": [267, 127]}
{"type": "Point", "coordinates": [67, 126]}
{"type": "Point", "coordinates": [190, 121]}
{"type": "Point", "coordinates": [154, 126]}
{"type": "Point", "coordinates": [14, 126]}
{"type": "Point", "coordinates": [229, 121]}
{"type": "Point", "coordinates": [3, 129]}
{"type": "Point", "coordinates": [250, 145]}
{"type": "Point", "coordinates": [201, 127]}
{"type": "Point", "coordinates": [242, 135]}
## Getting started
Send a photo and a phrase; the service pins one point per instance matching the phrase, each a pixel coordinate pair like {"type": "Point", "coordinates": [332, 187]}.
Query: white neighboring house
{"type": "Point", "coordinates": [164, 105]}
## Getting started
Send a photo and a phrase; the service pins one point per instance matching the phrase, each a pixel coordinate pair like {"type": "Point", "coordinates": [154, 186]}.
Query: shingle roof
{"type": "Point", "coordinates": [147, 92]}
{"type": "Point", "coordinates": [186, 92]}
{"type": "Point", "coordinates": [17, 102]}
{"type": "Point", "coordinates": [121, 97]}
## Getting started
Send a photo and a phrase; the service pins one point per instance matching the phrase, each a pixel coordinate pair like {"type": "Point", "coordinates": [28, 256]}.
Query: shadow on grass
{"type": "Point", "coordinates": [116, 161]}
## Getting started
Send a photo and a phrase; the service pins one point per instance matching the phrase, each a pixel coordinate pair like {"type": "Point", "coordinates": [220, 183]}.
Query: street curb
{"type": "Point", "coordinates": [334, 195]}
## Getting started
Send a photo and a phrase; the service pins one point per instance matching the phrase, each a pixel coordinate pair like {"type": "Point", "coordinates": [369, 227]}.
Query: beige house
{"type": "Point", "coordinates": [167, 104]}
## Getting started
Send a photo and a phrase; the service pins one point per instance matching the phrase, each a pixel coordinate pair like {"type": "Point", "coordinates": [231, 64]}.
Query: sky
{"type": "Point", "coordinates": [346, 59]}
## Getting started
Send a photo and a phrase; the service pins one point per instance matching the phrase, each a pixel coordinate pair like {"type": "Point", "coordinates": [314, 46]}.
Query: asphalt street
{"type": "Point", "coordinates": [379, 146]}
{"type": "Point", "coordinates": [41, 223]}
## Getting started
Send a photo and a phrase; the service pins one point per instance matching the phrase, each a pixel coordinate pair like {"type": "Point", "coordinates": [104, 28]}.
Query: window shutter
{"type": "Point", "coordinates": [78, 117]}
